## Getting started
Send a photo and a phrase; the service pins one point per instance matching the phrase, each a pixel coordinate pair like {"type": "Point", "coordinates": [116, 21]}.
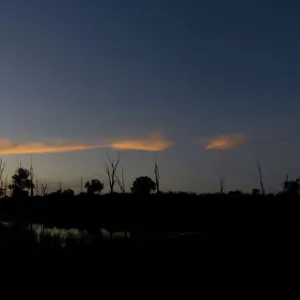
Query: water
{"type": "Point", "coordinates": [40, 230]}
{"type": "Point", "coordinates": [75, 232]}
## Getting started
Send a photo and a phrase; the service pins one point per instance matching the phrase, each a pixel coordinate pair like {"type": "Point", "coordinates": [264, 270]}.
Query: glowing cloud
{"type": "Point", "coordinates": [9, 147]}
{"type": "Point", "coordinates": [152, 143]}
{"type": "Point", "coordinates": [223, 142]}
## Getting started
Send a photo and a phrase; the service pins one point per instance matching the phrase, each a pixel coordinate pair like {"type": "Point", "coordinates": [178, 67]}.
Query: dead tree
{"type": "Point", "coordinates": [37, 187]}
{"type": "Point", "coordinates": [287, 177]}
{"type": "Point", "coordinates": [156, 172]}
{"type": "Point", "coordinates": [59, 187]}
{"type": "Point", "coordinates": [222, 183]}
{"type": "Point", "coordinates": [2, 165]}
{"type": "Point", "coordinates": [287, 183]}
{"type": "Point", "coordinates": [111, 170]}
{"type": "Point", "coordinates": [5, 186]}
{"type": "Point", "coordinates": [121, 182]}
{"type": "Point", "coordinates": [259, 170]}
{"type": "Point", "coordinates": [286, 180]}
{"type": "Point", "coordinates": [31, 178]}
{"type": "Point", "coordinates": [44, 187]}
{"type": "Point", "coordinates": [81, 185]}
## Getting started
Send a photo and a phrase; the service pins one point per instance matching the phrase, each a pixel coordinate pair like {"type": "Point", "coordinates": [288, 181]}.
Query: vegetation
{"type": "Point", "coordinates": [95, 186]}
{"type": "Point", "coordinates": [148, 221]}
{"type": "Point", "coordinates": [21, 183]}
{"type": "Point", "coordinates": [292, 187]}
{"type": "Point", "coordinates": [143, 186]}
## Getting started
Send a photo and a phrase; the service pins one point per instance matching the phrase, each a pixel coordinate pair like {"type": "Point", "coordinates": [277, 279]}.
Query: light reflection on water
{"type": "Point", "coordinates": [103, 233]}
{"type": "Point", "coordinates": [75, 232]}
{"type": "Point", "coordinates": [39, 230]}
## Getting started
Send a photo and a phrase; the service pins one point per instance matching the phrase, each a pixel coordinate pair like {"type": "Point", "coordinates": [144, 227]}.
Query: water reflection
{"type": "Point", "coordinates": [39, 230]}
{"type": "Point", "coordinates": [63, 234]}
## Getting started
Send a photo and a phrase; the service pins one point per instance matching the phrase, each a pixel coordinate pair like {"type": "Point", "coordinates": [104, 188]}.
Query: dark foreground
{"type": "Point", "coordinates": [162, 233]}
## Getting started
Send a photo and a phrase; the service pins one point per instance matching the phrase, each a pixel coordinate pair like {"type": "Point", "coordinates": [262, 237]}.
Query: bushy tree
{"type": "Point", "coordinates": [292, 186]}
{"type": "Point", "coordinates": [143, 185]}
{"type": "Point", "coordinates": [69, 193]}
{"type": "Point", "coordinates": [95, 186]}
{"type": "Point", "coordinates": [255, 192]}
{"type": "Point", "coordinates": [21, 182]}
{"type": "Point", "coordinates": [235, 193]}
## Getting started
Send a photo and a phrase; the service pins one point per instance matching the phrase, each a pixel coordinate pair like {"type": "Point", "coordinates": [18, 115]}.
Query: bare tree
{"type": "Point", "coordinates": [121, 182]}
{"type": "Point", "coordinates": [31, 178]}
{"type": "Point", "coordinates": [259, 170]}
{"type": "Point", "coordinates": [286, 180]}
{"type": "Point", "coordinates": [156, 172]}
{"type": "Point", "coordinates": [2, 166]}
{"type": "Point", "coordinates": [81, 185]}
{"type": "Point", "coordinates": [222, 183]}
{"type": "Point", "coordinates": [44, 187]}
{"type": "Point", "coordinates": [291, 187]}
{"type": "Point", "coordinates": [111, 170]}
{"type": "Point", "coordinates": [59, 187]}
{"type": "Point", "coordinates": [37, 187]}
{"type": "Point", "coordinates": [5, 185]}
{"type": "Point", "coordinates": [2, 183]}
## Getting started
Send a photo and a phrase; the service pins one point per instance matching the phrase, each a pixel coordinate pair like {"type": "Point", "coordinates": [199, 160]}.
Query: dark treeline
{"type": "Point", "coordinates": [159, 228]}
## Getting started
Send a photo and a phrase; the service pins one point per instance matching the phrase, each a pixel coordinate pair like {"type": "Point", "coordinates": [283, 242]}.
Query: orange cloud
{"type": "Point", "coordinates": [223, 142]}
{"type": "Point", "coordinates": [9, 147]}
{"type": "Point", "coordinates": [152, 143]}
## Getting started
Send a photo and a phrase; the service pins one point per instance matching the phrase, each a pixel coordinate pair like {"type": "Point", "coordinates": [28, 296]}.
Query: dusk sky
{"type": "Point", "coordinates": [205, 87]}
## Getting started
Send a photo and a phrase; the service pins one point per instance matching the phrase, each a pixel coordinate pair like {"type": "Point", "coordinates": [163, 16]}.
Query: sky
{"type": "Point", "coordinates": [204, 87]}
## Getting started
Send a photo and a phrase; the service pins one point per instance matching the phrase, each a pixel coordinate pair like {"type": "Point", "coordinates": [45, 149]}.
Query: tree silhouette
{"type": "Point", "coordinates": [259, 170]}
{"type": "Point", "coordinates": [222, 183]}
{"type": "Point", "coordinates": [45, 187]}
{"type": "Point", "coordinates": [31, 177]}
{"type": "Point", "coordinates": [21, 182]}
{"type": "Point", "coordinates": [292, 186]}
{"type": "Point", "coordinates": [69, 193]}
{"type": "Point", "coordinates": [94, 186]}
{"type": "Point", "coordinates": [2, 183]}
{"type": "Point", "coordinates": [156, 173]}
{"type": "Point", "coordinates": [255, 192]}
{"type": "Point", "coordinates": [121, 181]}
{"type": "Point", "coordinates": [111, 170]}
{"type": "Point", "coordinates": [143, 185]}
{"type": "Point", "coordinates": [235, 193]}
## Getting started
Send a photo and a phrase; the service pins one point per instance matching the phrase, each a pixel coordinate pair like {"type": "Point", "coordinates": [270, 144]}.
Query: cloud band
{"type": "Point", "coordinates": [152, 143]}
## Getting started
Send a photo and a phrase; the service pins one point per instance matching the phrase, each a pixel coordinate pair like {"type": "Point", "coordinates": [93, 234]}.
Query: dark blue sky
{"type": "Point", "coordinates": [93, 70]}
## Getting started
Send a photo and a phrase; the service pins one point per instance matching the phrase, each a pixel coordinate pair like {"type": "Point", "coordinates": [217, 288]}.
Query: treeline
{"type": "Point", "coordinates": [24, 183]}
{"type": "Point", "coordinates": [146, 210]}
